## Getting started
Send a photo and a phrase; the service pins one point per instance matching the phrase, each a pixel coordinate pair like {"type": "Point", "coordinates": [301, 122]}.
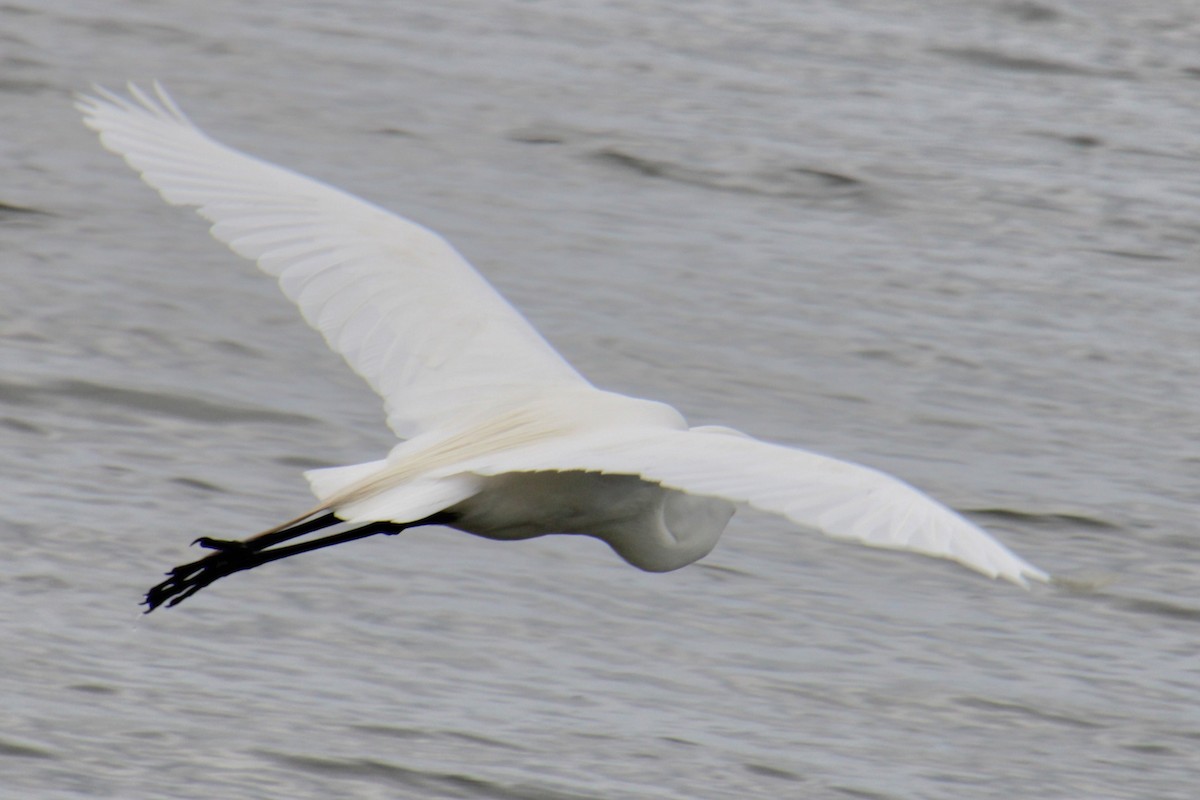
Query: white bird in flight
{"type": "Point", "coordinates": [501, 437]}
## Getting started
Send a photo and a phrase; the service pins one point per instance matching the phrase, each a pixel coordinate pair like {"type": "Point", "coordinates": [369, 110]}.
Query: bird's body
{"type": "Point", "coordinates": [652, 527]}
{"type": "Point", "coordinates": [502, 438]}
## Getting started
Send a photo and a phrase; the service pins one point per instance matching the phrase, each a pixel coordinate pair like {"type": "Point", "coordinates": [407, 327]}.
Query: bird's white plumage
{"type": "Point", "coordinates": [404, 309]}
{"type": "Point", "coordinates": [482, 395]}
{"type": "Point", "coordinates": [841, 499]}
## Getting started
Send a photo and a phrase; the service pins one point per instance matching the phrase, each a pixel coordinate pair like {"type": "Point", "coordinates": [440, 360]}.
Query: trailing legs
{"type": "Point", "coordinates": [230, 556]}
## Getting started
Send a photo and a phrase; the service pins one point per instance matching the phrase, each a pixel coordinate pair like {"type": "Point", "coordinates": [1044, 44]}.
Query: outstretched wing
{"type": "Point", "coordinates": [405, 310]}
{"type": "Point", "coordinates": [838, 498]}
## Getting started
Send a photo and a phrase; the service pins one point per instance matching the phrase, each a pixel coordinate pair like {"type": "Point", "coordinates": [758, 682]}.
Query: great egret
{"type": "Point", "coordinates": [502, 438]}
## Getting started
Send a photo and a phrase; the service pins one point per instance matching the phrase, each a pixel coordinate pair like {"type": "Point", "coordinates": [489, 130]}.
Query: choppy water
{"type": "Point", "coordinates": [955, 241]}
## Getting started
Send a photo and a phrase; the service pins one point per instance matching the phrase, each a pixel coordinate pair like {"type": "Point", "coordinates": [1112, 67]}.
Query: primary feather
{"type": "Point", "coordinates": [404, 309]}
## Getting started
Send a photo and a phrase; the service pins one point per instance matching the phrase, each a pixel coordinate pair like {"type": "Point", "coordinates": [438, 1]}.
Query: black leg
{"type": "Point", "coordinates": [233, 556]}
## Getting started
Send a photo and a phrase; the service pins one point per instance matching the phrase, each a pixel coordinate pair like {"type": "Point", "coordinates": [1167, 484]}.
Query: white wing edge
{"type": "Point", "coordinates": [374, 283]}
{"type": "Point", "coordinates": [840, 499]}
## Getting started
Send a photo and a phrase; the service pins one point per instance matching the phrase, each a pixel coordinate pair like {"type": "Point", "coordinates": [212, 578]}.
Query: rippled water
{"type": "Point", "coordinates": [955, 241]}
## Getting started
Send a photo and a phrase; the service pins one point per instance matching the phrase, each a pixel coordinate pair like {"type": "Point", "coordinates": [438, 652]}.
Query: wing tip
{"type": "Point", "coordinates": [157, 102]}
{"type": "Point", "coordinates": [1028, 573]}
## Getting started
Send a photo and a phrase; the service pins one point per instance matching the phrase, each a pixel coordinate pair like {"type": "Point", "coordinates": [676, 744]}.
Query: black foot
{"type": "Point", "coordinates": [187, 579]}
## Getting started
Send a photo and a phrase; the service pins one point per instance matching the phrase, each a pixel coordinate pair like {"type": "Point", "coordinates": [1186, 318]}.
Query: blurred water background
{"type": "Point", "coordinates": [956, 241]}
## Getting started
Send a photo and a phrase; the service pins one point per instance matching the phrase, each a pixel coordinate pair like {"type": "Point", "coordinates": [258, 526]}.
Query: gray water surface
{"type": "Point", "coordinates": [956, 241]}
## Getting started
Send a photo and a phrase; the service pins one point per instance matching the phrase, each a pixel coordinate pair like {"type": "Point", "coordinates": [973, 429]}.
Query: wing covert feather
{"type": "Point", "coordinates": [405, 310]}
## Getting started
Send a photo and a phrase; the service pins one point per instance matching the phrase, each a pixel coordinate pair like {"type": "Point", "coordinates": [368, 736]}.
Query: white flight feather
{"type": "Point", "coordinates": [404, 309]}
{"type": "Point", "coordinates": [839, 498]}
